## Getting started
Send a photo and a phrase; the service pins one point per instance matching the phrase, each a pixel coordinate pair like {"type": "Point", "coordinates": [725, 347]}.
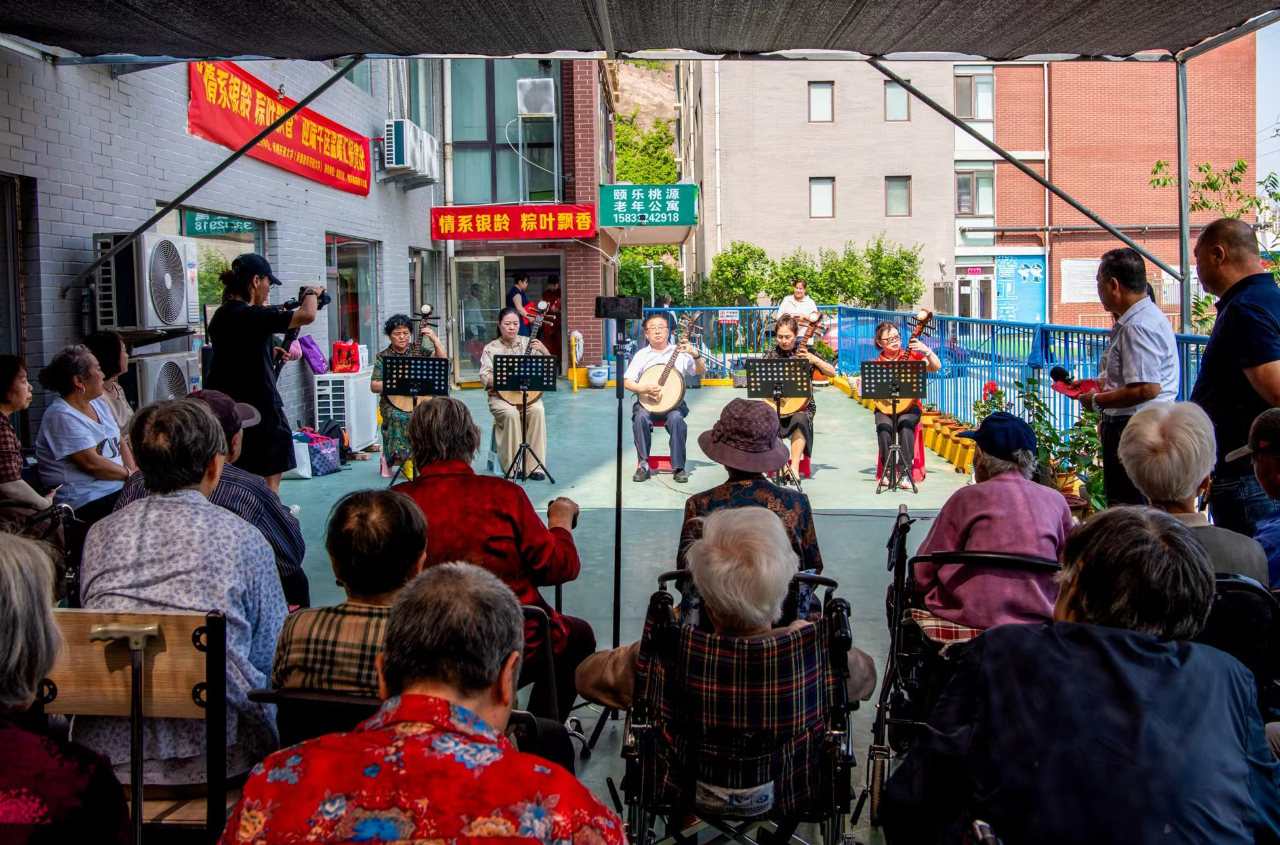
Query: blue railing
{"type": "Point", "coordinates": [729, 337]}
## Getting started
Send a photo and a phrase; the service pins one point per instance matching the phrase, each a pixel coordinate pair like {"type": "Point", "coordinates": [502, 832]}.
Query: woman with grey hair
{"type": "Point", "coordinates": [50, 790]}
{"type": "Point", "coordinates": [1004, 512]}
{"type": "Point", "coordinates": [1168, 450]}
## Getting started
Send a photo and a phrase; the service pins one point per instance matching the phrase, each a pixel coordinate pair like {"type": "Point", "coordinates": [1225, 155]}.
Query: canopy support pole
{"type": "Point", "coordinates": [1184, 201]}
{"type": "Point", "coordinates": [208, 177]}
{"type": "Point", "coordinates": [1043, 182]}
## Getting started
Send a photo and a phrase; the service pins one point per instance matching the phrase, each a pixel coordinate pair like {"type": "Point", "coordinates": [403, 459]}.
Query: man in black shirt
{"type": "Point", "coordinates": [241, 333]}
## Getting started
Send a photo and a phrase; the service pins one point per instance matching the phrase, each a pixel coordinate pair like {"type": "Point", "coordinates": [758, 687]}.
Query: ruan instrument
{"type": "Point", "coordinates": [413, 350]}
{"type": "Point", "coordinates": [898, 406]}
{"type": "Point", "coordinates": [665, 377]}
{"type": "Point", "coordinates": [795, 406]}
{"type": "Point", "coordinates": [513, 396]}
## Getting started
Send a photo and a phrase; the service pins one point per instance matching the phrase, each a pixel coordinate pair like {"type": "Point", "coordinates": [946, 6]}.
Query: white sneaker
{"type": "Point", "coordinates": [294, 509]}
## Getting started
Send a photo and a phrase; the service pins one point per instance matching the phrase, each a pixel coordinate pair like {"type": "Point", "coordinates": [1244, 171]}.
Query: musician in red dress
{"type": "Point", "coordinates": [889, 340]}
{"type": "Point", "coordinates": [551, 325]}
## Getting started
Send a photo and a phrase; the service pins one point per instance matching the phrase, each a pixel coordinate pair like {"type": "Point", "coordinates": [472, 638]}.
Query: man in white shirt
{"type": "Point", "coordinates": [1138, 368]}
{"type": "Point", "coordinates": [657, 353]}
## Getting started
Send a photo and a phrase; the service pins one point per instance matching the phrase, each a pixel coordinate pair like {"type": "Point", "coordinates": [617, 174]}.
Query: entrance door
{"type": "Point", "coordinates": [476, 298]}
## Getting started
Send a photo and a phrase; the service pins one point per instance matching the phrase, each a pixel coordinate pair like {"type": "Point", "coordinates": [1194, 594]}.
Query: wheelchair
{"type": "Point", "coordinates": [922, 648]}
{"type": "Point", "coordinates": [707, 748]}
{"type": "Point", "coordinates": [1244, 621]}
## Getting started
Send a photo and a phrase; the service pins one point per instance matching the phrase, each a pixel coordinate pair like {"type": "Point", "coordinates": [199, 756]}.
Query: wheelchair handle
{"type": "Point", "coordinates": [994, 560]}
{"type": "Point", "coordinates": [802, 577]}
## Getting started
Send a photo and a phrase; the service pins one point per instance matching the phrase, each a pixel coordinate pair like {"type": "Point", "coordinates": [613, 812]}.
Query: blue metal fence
{"type": "Point", "coordinates": [973, 352]}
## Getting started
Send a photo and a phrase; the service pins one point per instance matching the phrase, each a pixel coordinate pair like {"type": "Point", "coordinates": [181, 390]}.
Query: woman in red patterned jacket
{"type": "Point", "coordinates": [490, 522]}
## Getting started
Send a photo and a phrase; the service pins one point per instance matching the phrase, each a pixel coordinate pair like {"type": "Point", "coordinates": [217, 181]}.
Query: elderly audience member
{"type": "Point", "coordinates": [15, 396]}
{"type": "Point", "coordinates": [247, 496]}
{"type": "Point", "coordinates": [433, 765]}
{"type": "Point", "coordinates": [1004, 512]}
{"type": "Point", "coordinates": [1169, 452]}
{"type": "Point", "coordinates": [113, 357]}
{"type": "Point", "coordinates": [377, 542]}
{"type": "Point", "coordinates": [176, 550]}
{"type": "Point", "coordinates": [79, 449]}
{"type": "Point", "coordinates": [742, 566]}
{"type": "Point", "coordinates": [1106, 726]}
{"type": "Point", "coordinates": [490, 522]}
{"type": "Point", "coordinates": [50, 790]}
{"type": "Point", "coordinates": [1264, 448]}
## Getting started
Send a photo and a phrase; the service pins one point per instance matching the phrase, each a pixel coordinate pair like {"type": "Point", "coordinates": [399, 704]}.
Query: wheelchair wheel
{"type": "Point", "coordinates": [879, 772]}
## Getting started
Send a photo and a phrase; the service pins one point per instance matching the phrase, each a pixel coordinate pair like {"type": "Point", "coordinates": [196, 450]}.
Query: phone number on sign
{"type": "Point", "coordinates": [651, 218]}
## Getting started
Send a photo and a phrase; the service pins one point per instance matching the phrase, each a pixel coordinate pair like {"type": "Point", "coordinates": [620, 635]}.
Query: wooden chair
{"type": "Point", "coordinates": [151, 665]}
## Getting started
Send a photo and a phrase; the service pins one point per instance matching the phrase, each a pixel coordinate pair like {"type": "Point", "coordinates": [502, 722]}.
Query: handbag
{"type": "Point", "coordinates": [346, 356]}
{"type": "Point", "coordinates": [323, 454]}
{"type": "Point", "coordinates": [312, 354]}
{"type": "Point", "coordinates": [301, 457]}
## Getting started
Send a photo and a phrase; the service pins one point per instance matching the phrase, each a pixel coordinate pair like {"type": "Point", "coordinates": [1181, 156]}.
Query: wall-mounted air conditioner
{"type": "Point", "coordinates": [165, 376]}
{"type": "Point", "coordinates": [151, 284]}
{"type": "Point", "coordinates": [346, 397]}
{"type": "Point", "coordinates": [402, 146]}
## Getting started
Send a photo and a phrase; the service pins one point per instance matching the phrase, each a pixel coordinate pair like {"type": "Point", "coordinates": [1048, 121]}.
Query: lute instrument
{"type": "Point", "coordinates": [797, 404]}
{"type": "Point", "coordinates": [513, 397]}
{"type": "Point", "coordinates": [414, 350]}
{"type": "Point", "coordinates": [898, 406]}
{"type": "Point", "coordinates": [665, 377]}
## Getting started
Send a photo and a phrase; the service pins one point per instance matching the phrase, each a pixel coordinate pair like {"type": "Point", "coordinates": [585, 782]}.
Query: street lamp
{"type": "Point", "coordinates": [651, 266]}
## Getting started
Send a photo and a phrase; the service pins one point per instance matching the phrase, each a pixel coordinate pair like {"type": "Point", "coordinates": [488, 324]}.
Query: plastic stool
{"type": "Point", "coordinates": [805, 472]}
{"type": "Point", "coordinates": [491, 461]}
{"type": "Point", "coordinates": [658, 463]}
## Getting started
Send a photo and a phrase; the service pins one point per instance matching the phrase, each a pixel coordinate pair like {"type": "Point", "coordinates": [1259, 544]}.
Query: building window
{"type": "Point", "coordinates": [422, 93]}
{"type": "Point", "coordinates": [219, 239]}
{"type": "Point", "coordinates": [975, 193]}
{"type": "Point", "coordinates": [897, 102]}
{"type": "Point", "coordinates": [361, 77]}
{"type": "Point", "coordinates": [821, 104]}
{"type": "Point", "coordinates": [352, 280]}
{"type": "Point", "coordinates": [822, 197]}
{"type": "Point", "coordinates": [897, 196]}
{"type": "Point", "coordinates": [975, 96]}
{"type": "Point", "coordinates": [485, 135]}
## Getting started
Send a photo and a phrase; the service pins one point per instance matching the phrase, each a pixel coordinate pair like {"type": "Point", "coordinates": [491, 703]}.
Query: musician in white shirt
{"type": "Point", "coordinates": [798, 304]}
{"type": "Point", "coordinates": [658, 352]}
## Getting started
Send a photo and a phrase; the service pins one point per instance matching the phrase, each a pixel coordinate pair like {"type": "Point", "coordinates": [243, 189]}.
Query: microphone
{"type": "Point", "coordinates": [1060, 374]}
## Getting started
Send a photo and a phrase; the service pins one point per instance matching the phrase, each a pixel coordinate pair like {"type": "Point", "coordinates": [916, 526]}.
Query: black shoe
{"type": "Point", "coordinates": [642, 474]}
{"type": "Point", "coordinates": [681, 477]}
{"type": "Point", "coordinates": [536, 476]}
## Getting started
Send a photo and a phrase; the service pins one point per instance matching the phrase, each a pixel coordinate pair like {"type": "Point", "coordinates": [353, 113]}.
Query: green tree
{"type": "Point", "coordinates": [209, 266]}
{"type": "Point", "coordinates": [643, 156]}
{"type": "Point", "coordinates": [633, 277]}
{"type": "Point", "coordinates": [789, 268]}
{"type": "Point", "coordinates": [1218, 191]}
{"type": "Point", "coordinates": [892, 274]}
{"type": "Point", "coordinates": [737, 275]}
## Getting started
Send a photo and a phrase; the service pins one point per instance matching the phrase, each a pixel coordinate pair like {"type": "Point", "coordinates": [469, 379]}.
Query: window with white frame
{"type": "Point", "coordinates": [821, 102]}
{"type": "Point", "coordinates": [822, 196]}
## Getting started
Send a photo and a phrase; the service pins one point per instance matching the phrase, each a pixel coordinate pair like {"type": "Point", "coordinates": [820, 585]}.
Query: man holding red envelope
{"type": "Point", "coordinates": [1140, 365]}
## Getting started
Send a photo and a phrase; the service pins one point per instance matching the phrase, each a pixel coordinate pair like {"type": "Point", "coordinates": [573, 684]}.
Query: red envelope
{"type": "Point", "coordinates": [1076, 388]}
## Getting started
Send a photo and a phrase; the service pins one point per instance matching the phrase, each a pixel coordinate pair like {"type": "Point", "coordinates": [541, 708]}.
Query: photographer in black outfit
{"type": "Point", "coordinates": [241, 333]}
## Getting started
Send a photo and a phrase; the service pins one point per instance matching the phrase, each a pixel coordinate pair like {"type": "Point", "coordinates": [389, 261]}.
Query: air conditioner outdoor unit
{"type": "Point", "coordinates": [165, 376]}
{"type": "Point", "coordinates": [150, 284]}
{"type": "Point", "coordinates": [402, 146]}
{"type": "Point", "coordinates": [536, 97]}
{"type": "Point", "coordinates": [346, 398]}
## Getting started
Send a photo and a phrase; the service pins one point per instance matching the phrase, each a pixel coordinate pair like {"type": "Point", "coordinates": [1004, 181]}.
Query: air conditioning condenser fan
{"type": "Point", "coordinates": [170, 383]}
{"type": "Point", "coordinates": [166, 279]}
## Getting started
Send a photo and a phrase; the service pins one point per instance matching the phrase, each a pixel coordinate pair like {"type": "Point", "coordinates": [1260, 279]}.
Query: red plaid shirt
{"type": "Point", "coordinates": [490, 522]}
{"type": "Point", "coordinates": [10, 452]}
{"type": "Point", "coordinates": [422, 769]}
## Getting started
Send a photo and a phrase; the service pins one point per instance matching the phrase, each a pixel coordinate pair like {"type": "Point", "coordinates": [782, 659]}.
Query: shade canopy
{"type": "Point", "coordinates": [323, 29]}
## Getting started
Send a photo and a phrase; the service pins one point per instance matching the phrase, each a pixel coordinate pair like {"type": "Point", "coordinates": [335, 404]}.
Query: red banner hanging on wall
{"type": "Point", "coordinates": [512, 222]}
{"type": "Point", "coordinates": [229, 106]}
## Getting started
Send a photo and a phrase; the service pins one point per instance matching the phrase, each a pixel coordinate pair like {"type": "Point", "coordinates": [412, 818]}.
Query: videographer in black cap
{"type": "Point", "coordinates": [241, 332]}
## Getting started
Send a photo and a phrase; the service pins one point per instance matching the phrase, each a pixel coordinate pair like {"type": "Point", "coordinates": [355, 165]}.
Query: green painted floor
{"type": "Point", "coordinates": [853, 523]}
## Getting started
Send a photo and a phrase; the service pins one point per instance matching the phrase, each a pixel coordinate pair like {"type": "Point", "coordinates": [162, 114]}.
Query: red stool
{"type": "Point", "coordinates": [805, 472]}
{"type": "Point", "coordinates": [658, 463]}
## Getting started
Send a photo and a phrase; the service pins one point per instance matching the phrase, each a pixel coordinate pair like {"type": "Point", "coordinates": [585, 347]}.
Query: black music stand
{"type": "Point", "coordinates": [775, 379]}
{"type": "Point", "coordinates": [894, 380]}
{"type": "Point", "coordinates": [413, 375]}
{"type": "Point", "coordinates": [524, 373]}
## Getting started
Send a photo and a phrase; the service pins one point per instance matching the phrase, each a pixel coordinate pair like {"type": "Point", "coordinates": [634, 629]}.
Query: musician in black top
{"type": "Point", "coordinates": [241, 333]}
{"type": "Point", "coordinates": [797, 428]}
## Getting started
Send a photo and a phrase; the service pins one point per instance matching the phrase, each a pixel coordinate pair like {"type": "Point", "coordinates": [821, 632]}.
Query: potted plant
{"type": "Point", "coordinates": [993, 399]}
{"type": "Point", "coordinates": [826, 353]}
{"type": "Point", "coordinates": [1067, 460]}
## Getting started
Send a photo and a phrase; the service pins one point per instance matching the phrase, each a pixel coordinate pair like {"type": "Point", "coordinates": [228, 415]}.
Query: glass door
{"type": "Point", "coordinates": [352, 274]}
{"type": "Point", "coordinates": [477, 297]}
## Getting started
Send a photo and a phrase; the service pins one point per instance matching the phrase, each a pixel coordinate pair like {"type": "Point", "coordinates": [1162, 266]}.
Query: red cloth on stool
{"type": "Point", "coordinates": [917, 463]}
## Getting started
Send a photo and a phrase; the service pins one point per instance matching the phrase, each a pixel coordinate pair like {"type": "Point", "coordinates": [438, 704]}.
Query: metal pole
{"type": "Point", "coordinates": [210, 176]}
{"type": "Point", "coordinates": [1044, 183]}
{"type": "Point", "coordinates": [653, 299]}
{"type": "Point", "coordinates": [1184, 200]}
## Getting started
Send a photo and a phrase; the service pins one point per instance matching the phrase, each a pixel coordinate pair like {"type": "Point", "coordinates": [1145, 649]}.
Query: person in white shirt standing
{"type": "Point", "coordinates": [657, 353]}
{"type": "Point", "coordinates": [798, 304]}
{"type": "Point", "coordinates": [1138, 368]}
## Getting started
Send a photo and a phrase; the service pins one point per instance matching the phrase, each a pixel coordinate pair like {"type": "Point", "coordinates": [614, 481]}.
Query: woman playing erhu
{"type": "Point", "coordinates": [395, 410]}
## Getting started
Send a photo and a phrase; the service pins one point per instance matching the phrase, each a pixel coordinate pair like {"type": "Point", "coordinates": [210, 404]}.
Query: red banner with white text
{"type": "Point", "coordinates": [229, 106]}
{"type": "Point", "coordinates": [512, 222]}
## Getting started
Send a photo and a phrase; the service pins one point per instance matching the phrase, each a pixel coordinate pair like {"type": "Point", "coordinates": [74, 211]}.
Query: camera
{"type": "Point", "coordinates": [322, 299]}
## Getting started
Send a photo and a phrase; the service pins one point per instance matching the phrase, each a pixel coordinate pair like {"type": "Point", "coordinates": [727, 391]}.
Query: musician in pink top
{"type": "Point", "coordinates": [1004, 512]}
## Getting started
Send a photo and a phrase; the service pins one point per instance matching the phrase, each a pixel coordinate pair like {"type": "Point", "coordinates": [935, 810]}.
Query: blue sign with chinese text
{"type": "Point", "coordinates": [1021, 288]}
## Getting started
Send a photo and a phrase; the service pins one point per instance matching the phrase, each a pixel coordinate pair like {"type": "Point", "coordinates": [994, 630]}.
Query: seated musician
{"type": "Point", "coordinates": [657, 354]}
{"type": "Point", "coordinates": [506, 416]}
{"type": "Point", "coordinates": [797, 428]}
{"type": "Point", "coordinates": [395, 410]}
{"type": "Point", "coordinates": [889, 341]}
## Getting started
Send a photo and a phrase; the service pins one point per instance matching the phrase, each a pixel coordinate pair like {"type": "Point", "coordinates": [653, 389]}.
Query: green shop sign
{"type": "Point", "coordinates": [202, 225]}
{"type": "Point", "coordinates": [649, 205]}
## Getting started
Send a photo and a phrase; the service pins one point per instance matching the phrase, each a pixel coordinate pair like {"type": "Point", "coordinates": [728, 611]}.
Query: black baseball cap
{"type": "Point", "coordinates": [1002, 434]}
{"type": "Point", "coordinates": [254, 265]}
{"type": "Point", "coordinates": [232, 415]}
{"type": "Point", "coordinates": [1264, 436]}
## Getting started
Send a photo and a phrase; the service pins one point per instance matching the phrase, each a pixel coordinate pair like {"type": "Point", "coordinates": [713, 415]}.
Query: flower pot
{"type": "Point", "coordinates": [1067, 482]}
{"type": "Point", "coordinates": [959, 445]}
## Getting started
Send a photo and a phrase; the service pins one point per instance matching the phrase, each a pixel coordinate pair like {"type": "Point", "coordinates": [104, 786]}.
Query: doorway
{"type": "Point", "coordinates": [352, 271]}
{"type": "Point", "coordinates": [476, 297]}
{"type": "Point", "coordinates": [542, 269]}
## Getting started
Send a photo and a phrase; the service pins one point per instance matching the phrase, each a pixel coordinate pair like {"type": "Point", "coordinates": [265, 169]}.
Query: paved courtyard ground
{"type": "Point", "coordinates": [853, 523]}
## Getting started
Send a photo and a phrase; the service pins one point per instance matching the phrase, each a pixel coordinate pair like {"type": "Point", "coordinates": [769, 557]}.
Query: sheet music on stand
{"type": "Point", "coordinates": [767, 376]}
{"type": "Point", "coordinates": [408, 375]}
{"type": "Point", "coordinates": [880, 379]}
{"type": "Point", "coordinates": [524, 372]}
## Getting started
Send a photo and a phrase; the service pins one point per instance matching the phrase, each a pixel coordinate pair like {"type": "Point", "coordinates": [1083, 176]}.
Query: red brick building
{"type": "Point", "coordinates": [1107, 125]}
